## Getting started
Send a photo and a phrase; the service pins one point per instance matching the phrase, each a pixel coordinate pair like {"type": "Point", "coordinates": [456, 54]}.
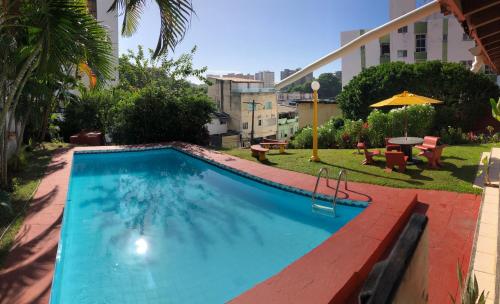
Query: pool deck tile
{"type": "Point", "coordinates": [28, 268]}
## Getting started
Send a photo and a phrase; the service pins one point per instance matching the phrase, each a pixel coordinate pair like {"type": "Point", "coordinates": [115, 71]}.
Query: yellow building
{"type": "Point", "coordinates": [234, 96]}
{"type": "Point", "coordinates": [326, 110]}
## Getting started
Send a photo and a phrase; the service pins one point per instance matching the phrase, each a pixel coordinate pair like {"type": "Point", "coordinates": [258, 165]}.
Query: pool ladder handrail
{"type": "Point", "coordinates": [343, 173]}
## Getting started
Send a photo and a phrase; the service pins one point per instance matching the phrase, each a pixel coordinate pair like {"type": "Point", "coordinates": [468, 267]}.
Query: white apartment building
{"type": "Point", "coordinates": [99, 9]}
{"type": "Point", "coordinates": [437, 37]}
{"type": "Point", "coordinates": [267, 77]}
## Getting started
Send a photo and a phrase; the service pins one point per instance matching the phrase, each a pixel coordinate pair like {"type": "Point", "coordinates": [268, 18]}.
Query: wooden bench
{"type": "Point", "coordinates": [269, 145]}
{"type": "Point", "coordinates": [258, 150]}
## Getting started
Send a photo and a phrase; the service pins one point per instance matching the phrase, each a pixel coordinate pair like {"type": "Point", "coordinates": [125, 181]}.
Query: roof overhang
{"type": "Point", "coordinates": [481, 20]}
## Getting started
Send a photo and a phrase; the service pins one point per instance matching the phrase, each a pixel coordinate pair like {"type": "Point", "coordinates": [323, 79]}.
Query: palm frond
{"type": "Point", "coordinates": [175, 19]}
{"type": "Point", "coordinates": [69, 34]}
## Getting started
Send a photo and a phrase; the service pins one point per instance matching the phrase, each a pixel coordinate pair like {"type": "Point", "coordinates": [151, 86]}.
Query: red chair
{"type": "Point", "coordinates": [391, 147]}
{"type": "Point", "coordinates": [368, 154]}
{"type": "Point", "coordinates": [434, 156]}
{"type": "Point", "coordinates": [430, 142]}
{"type": "Point", "coordinates": [395, 158]}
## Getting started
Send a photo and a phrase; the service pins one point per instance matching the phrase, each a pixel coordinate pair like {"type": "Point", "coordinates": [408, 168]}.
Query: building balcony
{"type": "Point", "coordinates": [420, 56]}
{"type": "Point", "coordinates": [385, 58]}
{"type": "Point", "coordinates": [285, 121]}
{"type": "Point", "coordinates": [253, 90]}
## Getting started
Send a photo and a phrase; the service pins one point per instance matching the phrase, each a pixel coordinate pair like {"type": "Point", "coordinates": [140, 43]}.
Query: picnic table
{"type": "Point", "coordinates": [406, 144]}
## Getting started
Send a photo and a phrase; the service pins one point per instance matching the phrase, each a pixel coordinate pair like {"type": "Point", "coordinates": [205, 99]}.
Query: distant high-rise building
{"type": "Point", "coordinates": [267, 77]}
{"type": "Point", "coordinates": [287, 72]}
{"type": "Point", "coordinates": [239, 75]}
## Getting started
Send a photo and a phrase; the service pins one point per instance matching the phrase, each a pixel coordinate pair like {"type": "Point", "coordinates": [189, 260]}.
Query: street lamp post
{"type": "Point", "coordinates": [254, 104]}
{"type": "Point", "coordinates": [315, 88]}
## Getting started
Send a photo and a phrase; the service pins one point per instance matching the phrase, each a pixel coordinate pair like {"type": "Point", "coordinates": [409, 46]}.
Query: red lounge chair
{"type": "Point", "coordinates": [395, 158]}
{"type": "Point", "coordinates": [434, 156]}
{"type": "Point", "coordinates": [368, 154]}
{"type": "Point", "coordinates": [430, 142]}
{"type": "Point", "coordinates": [391, 147]}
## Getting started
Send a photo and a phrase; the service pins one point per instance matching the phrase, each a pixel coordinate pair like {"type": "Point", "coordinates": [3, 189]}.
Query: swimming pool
{"type": "Point", "coordinates": [160, 226]}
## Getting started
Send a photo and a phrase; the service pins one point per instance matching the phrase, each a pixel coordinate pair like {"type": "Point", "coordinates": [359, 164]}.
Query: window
{"type": "Point", "coordinates": [403, 29]}
{"type": "Point", "coordinates": [268, 105]}
{"type": "Point", "coordinates": [420, 43]}
{"type": "Point", "coordinates": [260, 122]}
{"type": "Point", "coordinates": [245, 125]}
{"type": "Point", "coordinates": [445, 37]}
{"type": "Point", "coordinates": [466, 37]}
{"type": "Point", "coordinates": [385, 49]}
{"type": "Point", "coordinates": [402, 53]}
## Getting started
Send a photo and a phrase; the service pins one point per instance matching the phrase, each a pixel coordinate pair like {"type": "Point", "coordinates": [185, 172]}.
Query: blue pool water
{"type": "Point", "coordinates": [160, 226]}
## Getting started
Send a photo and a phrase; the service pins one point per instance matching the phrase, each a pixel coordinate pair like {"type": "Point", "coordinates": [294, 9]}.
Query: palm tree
{"type": "Point", "coordinates": [175, 18]}
{"type": "Point", "coordinates": [44, 37]}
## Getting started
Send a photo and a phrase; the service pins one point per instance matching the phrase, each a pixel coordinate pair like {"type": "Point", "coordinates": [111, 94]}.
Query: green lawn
{"type": "Point", "coordinates": [25, 182]}
{"type": "Point", "coordinates": [457, 174]}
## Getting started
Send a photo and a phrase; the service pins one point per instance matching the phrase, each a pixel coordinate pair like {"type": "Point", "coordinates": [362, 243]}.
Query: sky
{"type": "Point", "coordinates": [248, 36]}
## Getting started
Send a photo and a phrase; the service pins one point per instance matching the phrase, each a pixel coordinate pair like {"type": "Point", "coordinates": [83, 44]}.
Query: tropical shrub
{"type": "Point", "coordinates": [92, 111]}
{"type": "Point", "coordinates": [157, 114]}
{"type": "Point", "coordinates": [420, 120]}
{"type": "Point", "coordinates": [455, 136]}
{"type": "Point", "coordinates": [303, 138]}
{"type": "Point", "coordinates": [465, 94]}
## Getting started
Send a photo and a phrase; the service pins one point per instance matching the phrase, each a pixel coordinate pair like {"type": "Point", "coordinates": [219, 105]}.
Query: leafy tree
{"type": "Point", "coordinates": [138, 71]}
{"type": "Point", "coordinates": [330, 86]}
{"type": "Point", "coordinates": [465, 94]}
{"type": "Point", "coordinates": [45, 38]}
{"type": "Point", "coordinates": [175, 17]}
{"type": "Point", "coordinates": [161, 114]}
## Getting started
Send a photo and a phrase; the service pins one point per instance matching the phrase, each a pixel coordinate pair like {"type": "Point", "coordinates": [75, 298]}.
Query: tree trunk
{"type": "Point", "coordinates": [11, 102]}
{"type": "Point", "coordinates": [45, 121]}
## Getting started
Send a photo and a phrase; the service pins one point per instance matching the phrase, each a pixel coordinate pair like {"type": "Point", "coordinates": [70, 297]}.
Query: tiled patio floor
{"type": "Point", "coordinates": [27, 275]}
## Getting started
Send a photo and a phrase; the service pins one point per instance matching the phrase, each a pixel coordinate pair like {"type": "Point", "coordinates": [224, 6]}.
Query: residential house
{"type": "Point", "coordinates": [288, 123]}
{"type": "Point", "coordinates": [236, 97]}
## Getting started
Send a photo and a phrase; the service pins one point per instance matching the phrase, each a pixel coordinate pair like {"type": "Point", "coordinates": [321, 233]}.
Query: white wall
{"type": "Point", "coordinates": [435, 38]}
{"type": "Point", "coordinates": [351, 63]}
{"type": "Point", "coordinates": [372, 53]}
{"type": "Point", "coordinates": [110, 21]}
{"type": "Point", "coordinates": [216, 127]}
{"type": "Point", "coordinates": [458, 49]}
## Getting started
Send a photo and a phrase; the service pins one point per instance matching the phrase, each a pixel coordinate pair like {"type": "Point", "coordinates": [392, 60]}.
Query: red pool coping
{"type": "Point", "coordinates": [329, 273]}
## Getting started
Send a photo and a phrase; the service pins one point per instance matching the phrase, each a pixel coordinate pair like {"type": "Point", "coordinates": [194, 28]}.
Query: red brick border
{"type": "Point", "coordinates": [28, 271]}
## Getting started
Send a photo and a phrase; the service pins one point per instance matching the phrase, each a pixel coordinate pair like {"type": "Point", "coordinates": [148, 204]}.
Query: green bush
{"type": "Point", "coordinates": [157, 114]}
{"type": "Point", "coordinates": [420, 120]}
{"type": "Point", "coordinates": [326, 134]}
{"type": "Point", "coordinates": [92, 111]}
{"type": "Point", "coordinates": [465, 94]}
{"type": "Point", "coordinates": [453, 136]}
{"type": "Point", "coordinates": [303, 139]}
{"type": "Point", "coordinates": [380, 126]}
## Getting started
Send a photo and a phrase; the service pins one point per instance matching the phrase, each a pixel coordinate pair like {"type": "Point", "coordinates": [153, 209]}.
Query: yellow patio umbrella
{"type": "Point", "coordinates": [405, 99]}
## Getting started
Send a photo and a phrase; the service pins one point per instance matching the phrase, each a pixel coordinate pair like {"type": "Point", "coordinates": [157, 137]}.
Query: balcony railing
{"type": "Point", "coordinates": [284, 121]}
{"type": "Point", "coordinates": [253, 90]}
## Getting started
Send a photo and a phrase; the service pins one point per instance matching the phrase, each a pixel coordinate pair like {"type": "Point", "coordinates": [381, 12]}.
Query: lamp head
{"type": "Point", "coordinates": [315, 85]}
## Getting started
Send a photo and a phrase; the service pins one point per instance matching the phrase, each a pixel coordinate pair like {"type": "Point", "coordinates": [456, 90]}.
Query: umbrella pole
{"type": "Point", "coordinates": [406, 123]}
